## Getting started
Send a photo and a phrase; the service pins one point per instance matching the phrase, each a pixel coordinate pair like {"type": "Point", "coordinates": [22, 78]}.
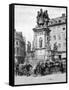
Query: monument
{"type": "Point", "coordinates": [42, 36]}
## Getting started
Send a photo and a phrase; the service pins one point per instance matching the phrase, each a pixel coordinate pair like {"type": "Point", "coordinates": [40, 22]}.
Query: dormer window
{"type": "Point", "coordinates": [59, 21]}
{"type": "Point", "coordinates": [55, 21]}
{"type": "Point", "coordinates": [63, 28]}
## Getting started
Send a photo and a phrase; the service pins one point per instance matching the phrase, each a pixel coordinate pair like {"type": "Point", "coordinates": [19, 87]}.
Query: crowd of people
{"type": "Point", "coordinates": [40, 69]}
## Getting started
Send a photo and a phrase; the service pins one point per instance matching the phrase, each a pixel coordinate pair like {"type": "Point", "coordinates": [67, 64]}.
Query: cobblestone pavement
{"type": "Point", "coordinates": [40, 79]}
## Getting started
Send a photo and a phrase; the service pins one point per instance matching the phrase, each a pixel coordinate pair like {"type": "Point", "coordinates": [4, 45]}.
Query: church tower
{"type": "Point", "coordinates": [42, 36]}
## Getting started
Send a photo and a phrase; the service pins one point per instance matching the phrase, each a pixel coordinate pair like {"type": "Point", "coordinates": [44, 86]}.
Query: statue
{"type": "Point", "coordinates": [28, 47]}
{"type": "Point", "coordinates": [46, 17]}
{"type": "Point", "coordinates": [42, 17]}
{"type": "Point", "coordinates": [41, 12]}
{"type": "Point", "coordinates": [38, 17]}
{"type": "Point", "coordinates": [40, 20]}
{"type": "Point", "coordinates": [40, 42]}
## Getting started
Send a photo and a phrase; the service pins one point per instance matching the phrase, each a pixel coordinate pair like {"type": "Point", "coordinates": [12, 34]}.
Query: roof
{"type": "Point", "coordinates": [57, 21]}
{"type": "Point", "coordinates": [53, 22]}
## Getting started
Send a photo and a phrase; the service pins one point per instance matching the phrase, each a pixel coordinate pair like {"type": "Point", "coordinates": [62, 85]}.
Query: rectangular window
{"type": "Point", "coordinates": [59, 45]}
{"type": "Point", "coordinates": [16, 42]}
{"type": "Point", "coordinates": [64, 44]}
{"type": "Point", "coordinates": [17, 51]}
{"type": "Point", "coordinates": [59, 37]}
{"type": "Point", "coordinates": [64, 36]}
{"type": "Point", "coordinates": [54, 37]}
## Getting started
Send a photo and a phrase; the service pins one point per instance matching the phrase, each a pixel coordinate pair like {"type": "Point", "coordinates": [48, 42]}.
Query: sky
{"type": "Point", "coordinates": [25, 18]}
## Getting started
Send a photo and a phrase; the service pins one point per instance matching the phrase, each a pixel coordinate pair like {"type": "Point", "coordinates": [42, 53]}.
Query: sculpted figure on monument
{"type": "Point", "coordinates": [46, 17]}
{"type": "Point", "coordinates": [38, 17]}
{"type": "Point", "coordinates": [28, 47]}
{"type": "Point", "coordinates": [40, 20]}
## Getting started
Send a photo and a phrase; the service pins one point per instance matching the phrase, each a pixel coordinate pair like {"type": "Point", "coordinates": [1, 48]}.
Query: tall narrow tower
{"type": "Point", "coordinates": [42, 36]}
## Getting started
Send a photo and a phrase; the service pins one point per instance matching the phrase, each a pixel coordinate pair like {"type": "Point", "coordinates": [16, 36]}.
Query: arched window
{"type": "Point", "coordinates": [40, 42]}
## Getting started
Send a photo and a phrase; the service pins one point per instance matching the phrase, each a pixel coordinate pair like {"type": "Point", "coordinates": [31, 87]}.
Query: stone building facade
{"type": "Point", "coordinates": [58, 35]}
{"type": "Point", "coordinates": [47, 33]}
{"type": "Point", "coordinates": [19, 47]}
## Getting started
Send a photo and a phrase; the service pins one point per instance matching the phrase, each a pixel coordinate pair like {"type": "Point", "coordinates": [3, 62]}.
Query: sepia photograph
{"type": "Point", "coordinates": [40, 50]}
